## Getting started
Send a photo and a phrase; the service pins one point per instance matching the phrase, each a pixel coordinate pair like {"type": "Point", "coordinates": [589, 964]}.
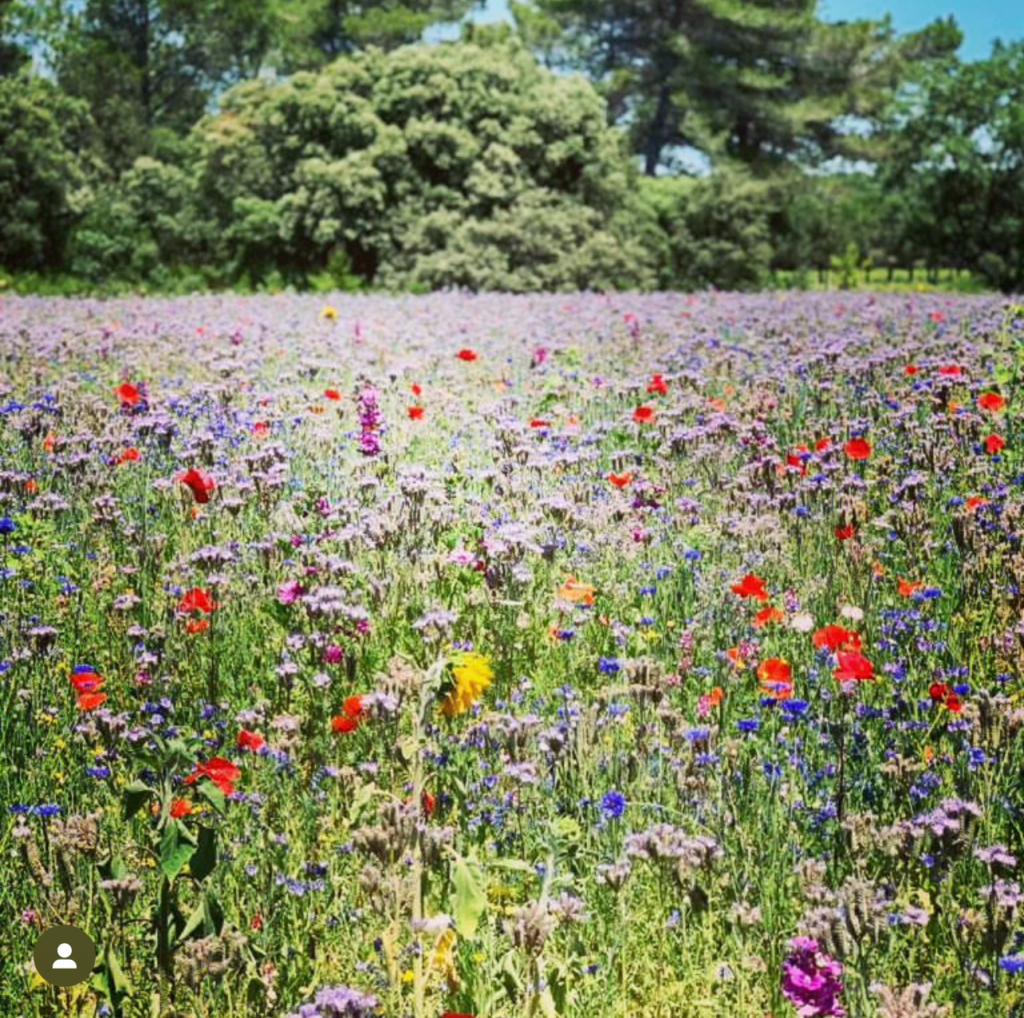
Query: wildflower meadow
{"type": "Point", "coordinates": [549, 656]}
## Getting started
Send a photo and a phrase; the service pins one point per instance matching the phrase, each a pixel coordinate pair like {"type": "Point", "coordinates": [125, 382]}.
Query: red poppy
{"type": "Point", "coordinates": [766, 616]}
{"type": "Point", "coordinates": [223, 773]}
{"type": "Point", "coordinates": [775, 676]}
{"type": "Point", "coordinates": [180, 808]}
{"type": "Point", "coordinates": [975, 502]}
{"type": "Point", "coordinates": [796, 461]}
{"type": "Point", "coordinates": [197, 600]}
{"type": "Point", "coordinates": [823, 445]}
{"type": "Point", "coordinates": [257, 922]}
{"type": "Point", "coordinates": [857, 449]}
{"type": "Point", "coordinates": [620, 480]}
{"type": "Point", "coordinates": [261, 429]}
{"type": "Point", "coordinates": [991, 401]}
{"type": "Point", "coordinates": [844, 533]}
{"type": "Point", "coordinates": [90, 701]}
{"type": "Point", "coordinates": [332, 394]}
{"type": "Point", "coordinates": [429, 804]}
{"type": "Point", "coordinates": [643, 415]}
{"type": "Point", "coordinates": [197, 626]}
{"type": "Point", "coordinates": [353, 707]}
{"type": "Point", "coordinates": [200, 483]}
{"type": "Point", "coordinates": [130, 455]}
{"type": "Point", "coordinates": [252, 741]}
{"type": "Point", "coordinates": [457, 1014]}
{"type": "Point", "coordinates": [994, 444]}
{"type": "Point", "coordinates": [415, 413]}
{"type": "Point", "coordinates": [415, 389]}
{"type": "Point", "coordinates": [539, 422]}
{"type": "Point", "coordinates": [943, 695]}
{"type": "Point", "coordinates": [86, 682]}
{"type": "Point", "coordinates": [343, 725]}
{"type": "Point", "coordinates": [908, 588]}
{"type": "Point", "coordinates": [853, 667]}
{"type": "Point", "coordinates": [836, 638]}
{"type": "Point", "coordinates": [657, 385]}
{"type": "Point", "coordinates": [910, 369]}
{"type": "Point", "coordinates": [950, 370]}
{"type": "Point", "coordinates": [750, 586]}
{"type": "Point", "coordinates": [466, 355]}
{"type": "Point", "coordinates": [128, 394]}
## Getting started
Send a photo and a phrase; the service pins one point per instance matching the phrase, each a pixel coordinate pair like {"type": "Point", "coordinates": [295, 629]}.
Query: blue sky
{"type": "Point", "coordinates": [981, 20]}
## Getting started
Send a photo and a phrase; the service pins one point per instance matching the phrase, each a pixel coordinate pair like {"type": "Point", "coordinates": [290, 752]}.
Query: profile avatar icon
{"type": "Point", "coordinates": [64, 955]}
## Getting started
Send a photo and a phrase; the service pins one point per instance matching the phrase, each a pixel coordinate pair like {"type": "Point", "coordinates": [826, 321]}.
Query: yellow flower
{"type": "Point", "coordinates": [471, 675]}
{"type": "Point", "coordinates": [329, 313]}
{"type": "Point", "coordinates": [408, 976]}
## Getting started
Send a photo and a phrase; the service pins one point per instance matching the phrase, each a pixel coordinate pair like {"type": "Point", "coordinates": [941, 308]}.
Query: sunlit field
{"type": "Point", "coordinates": [553, 656]}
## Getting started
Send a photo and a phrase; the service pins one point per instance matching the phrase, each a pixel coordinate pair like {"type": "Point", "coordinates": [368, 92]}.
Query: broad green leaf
{"type": "Point", "coordinates": [470, 900]}
{"type": "Point", "coordinates": [205, 856]}
{"type": "Point", "coordinates": [176, 848]}
{"type": "Point", "coordinates": [116, 979]}
{"type": "Point", "coordinates": [135, 796]}
{"type": "Point", "coordinates": [213, 795]}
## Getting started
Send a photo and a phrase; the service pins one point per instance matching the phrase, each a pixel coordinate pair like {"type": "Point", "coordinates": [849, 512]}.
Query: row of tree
{"type": "Point", "coordinates": [183, 143]}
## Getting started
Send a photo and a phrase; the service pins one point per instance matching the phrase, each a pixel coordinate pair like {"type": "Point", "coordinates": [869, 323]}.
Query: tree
{"type": "Point", "coordinates": [311, 33]}
{"type": "Point", "coordinates": [47, 161]}
{"type": "Point", "coordinates": [763, 82]}
{"type": "Point", "coordinates": [13, 53]}
{"type": "Point", "coordinates": [714, 232]}
{"type": "Point", "coordinates": [429, 166]}
{"type": "Point", "coordinates": [957, 158]}
{"type": "Point", "coordinates": [144, 65]}
{"type": "Point", "coordinates": [453, 164]}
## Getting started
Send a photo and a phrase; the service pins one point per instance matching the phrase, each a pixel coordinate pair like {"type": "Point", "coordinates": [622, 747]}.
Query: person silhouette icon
{"type": "Point", "coordinates": [65, 961]}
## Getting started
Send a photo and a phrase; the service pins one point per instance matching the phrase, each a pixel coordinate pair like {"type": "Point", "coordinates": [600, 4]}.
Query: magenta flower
{"type": "Point", "coordinates": [289, 592]}
{"type": "Point", "coordinates": [370, 420]}
{"type": "Point", "coordinates": [811, 981]}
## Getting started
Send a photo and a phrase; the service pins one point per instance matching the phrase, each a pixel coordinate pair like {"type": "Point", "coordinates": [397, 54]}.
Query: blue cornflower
{"type": "Point", "coordinates": [609, 665]}
{"type": "Point", "coordinates": [1012, 963]}
{"type": "Point", "coordinates": [613, 804]}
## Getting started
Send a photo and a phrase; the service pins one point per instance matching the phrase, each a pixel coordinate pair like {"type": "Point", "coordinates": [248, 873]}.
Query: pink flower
{"type": "Point", "coordinates": [290, 592]}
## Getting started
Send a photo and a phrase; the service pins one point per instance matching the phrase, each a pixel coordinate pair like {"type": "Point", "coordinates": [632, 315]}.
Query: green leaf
{"type": "Point", "coordinates": [135, 796]}
{"type": "Point", "coordinates": [213, 914]}
{"type": "Point", "coordinates": [195, 921]}
{"type": "Point", "coordinates": [547, 1004]}
{"type": "Point", "coordinates": [470, 899]}
{"type": "Point", "coordinates": [176, 848]}
{"type": "Point", "coordinates": [116, 979]}
{"type": "Point", "coordinates": [205, 856]}
{"type": "Point", "coordinates": [213, 795]}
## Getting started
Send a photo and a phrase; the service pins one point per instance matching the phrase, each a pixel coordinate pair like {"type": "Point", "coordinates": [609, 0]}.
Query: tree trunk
{"type": "Point", "coordinates": [655, 140]}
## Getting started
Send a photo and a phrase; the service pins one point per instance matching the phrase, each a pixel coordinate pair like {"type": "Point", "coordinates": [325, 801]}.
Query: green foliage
{"type": "Point", "coordinates": [761, 82]}
{"type": "Point", "coordinates": [148, 64]}
{"type": "Point", "coordinates": [958, 153]}
{"type": "Point", "coordinates": [311, 33]}
{"type": "Point", "coordinates": [452, 165]}
{"type": "Point", "coordinates": [45, 164]}
{"type": "Point", "coordinates": [716, 231]}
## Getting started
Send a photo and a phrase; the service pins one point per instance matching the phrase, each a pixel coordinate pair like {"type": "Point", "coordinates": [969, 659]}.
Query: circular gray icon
{"type": "Point", "coordinates": [64, 955]}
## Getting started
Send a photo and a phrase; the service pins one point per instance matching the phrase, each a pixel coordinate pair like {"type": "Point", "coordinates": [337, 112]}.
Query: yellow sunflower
{"type": "Point", "coordinates": [471, 675]}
